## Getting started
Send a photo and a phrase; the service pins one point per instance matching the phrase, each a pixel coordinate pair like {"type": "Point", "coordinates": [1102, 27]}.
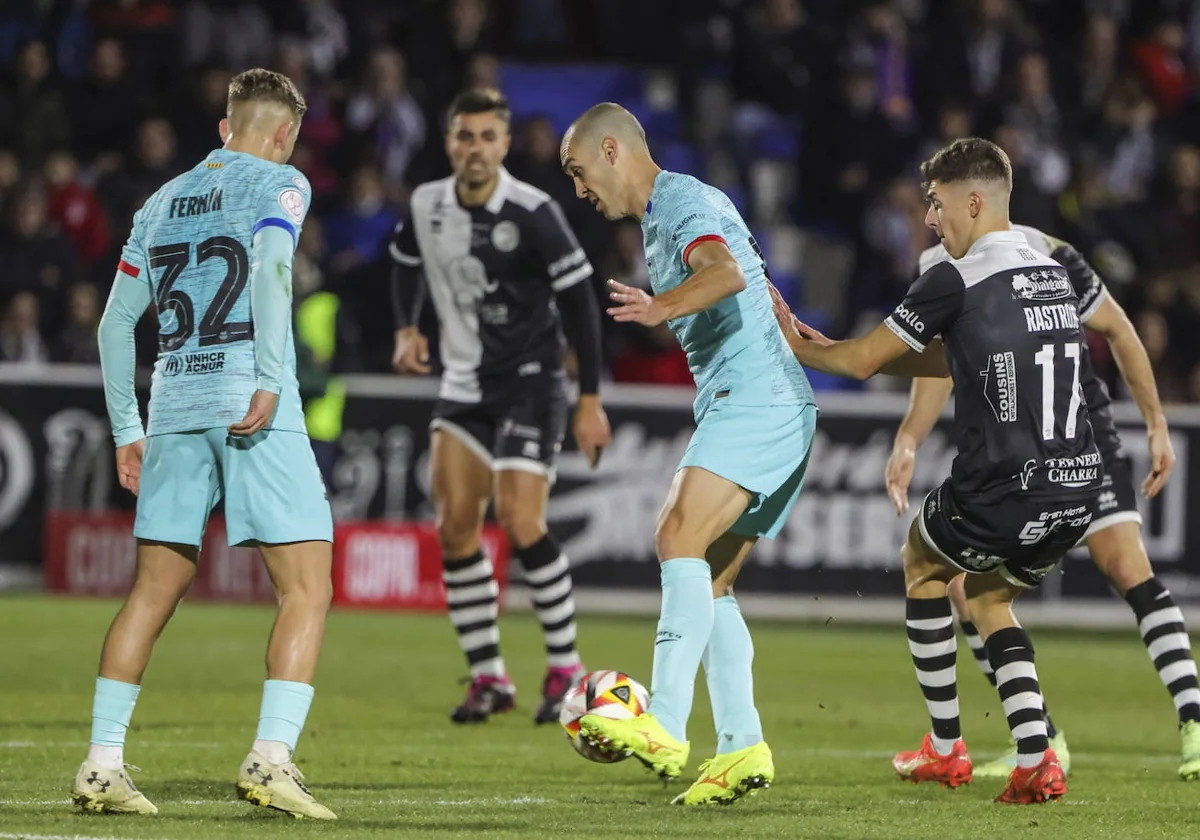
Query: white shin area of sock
{"type": "Point", "coordinates": [275, 752]}
{"type": "Point", "coordinates": [110, 758]}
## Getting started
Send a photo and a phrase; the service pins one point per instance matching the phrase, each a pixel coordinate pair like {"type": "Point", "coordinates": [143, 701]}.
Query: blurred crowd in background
{"type": "Point", "coordinates": [812, 114]}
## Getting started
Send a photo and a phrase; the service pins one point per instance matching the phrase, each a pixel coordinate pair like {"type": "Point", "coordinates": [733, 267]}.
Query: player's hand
{"type": "Point", "coordinates": [635, 305]}
{"type": "Point", "coordinates": [1162, 461]}
{"type": "Point", "coordinates": [262, 409]}
{"type": "Point", "coordinates": [592, 432]}
{"type": "Point", "coordinates": [412, 352]}
{"type": "Point", "coordinates": [794, 330]}
{"type": "Point", "coordinates": [898, 473]}
{"type": "Point", "coordinates": [129, 465]}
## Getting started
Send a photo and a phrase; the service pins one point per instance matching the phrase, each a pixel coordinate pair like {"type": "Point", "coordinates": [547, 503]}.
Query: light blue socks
{"type": "Point", "coordinates": [112, 707]}
{"type": "Point", "coordinates": [284, 709]}
{"type": "Point", "coordinates": [727, 668]}
{"type": "Point", "coordinates": [684, 626]}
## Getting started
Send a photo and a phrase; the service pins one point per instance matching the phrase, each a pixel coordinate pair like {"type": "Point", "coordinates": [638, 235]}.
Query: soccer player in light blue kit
{"type": "Point", "coordinates": [742, 472]}
{"type": "Point", "coordinates": [212, 249]}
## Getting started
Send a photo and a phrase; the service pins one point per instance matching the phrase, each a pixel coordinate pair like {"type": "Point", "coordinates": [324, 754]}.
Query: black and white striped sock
{"type": "Point", "coordinates": [548, 574]}
{"type": "Point", "coordinates": [934, 649]}
{"type": "Point", "coordinates": [1163, 632]}
{"type": "Point", "coordinates": [975, 642]}
{"type": "Point", "coordinates": [981, 658]}
{"type": "Point", "coordinates": [1011, 653]}
{"type": "Point", "coordinates": [473, 597]}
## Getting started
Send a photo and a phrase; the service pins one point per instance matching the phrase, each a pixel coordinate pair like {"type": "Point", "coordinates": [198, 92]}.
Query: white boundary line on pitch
{"type": "Point", "coordinates": [20, 745]}
{"type": "Point", "coordinates": [6, 836]}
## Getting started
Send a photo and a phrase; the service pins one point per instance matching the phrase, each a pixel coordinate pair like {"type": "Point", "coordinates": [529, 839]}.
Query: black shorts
{"type": "Point", "coordinates": [519, 425]}
{"type": "Point", "coordinates": [1117, 501]}
{"type": "Point", "coordinates": [1022, 540]}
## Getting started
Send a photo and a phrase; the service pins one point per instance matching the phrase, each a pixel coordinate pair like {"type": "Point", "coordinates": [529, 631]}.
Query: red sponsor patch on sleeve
{"type": "Point", "coordinates": [708, 237]}
{"type": "Point", "coordinates": [131, 270]}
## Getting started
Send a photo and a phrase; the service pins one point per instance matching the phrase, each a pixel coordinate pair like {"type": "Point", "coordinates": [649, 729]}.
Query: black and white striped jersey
{"type": "Point", "coordinates": [1009, 317]}
{"type": "Point", "coordinates": [1091, 292]}
{"type": "Point", "coordinates": [492, 272]}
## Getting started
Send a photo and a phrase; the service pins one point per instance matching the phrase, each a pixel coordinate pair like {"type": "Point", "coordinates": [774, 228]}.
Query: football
{"type": "Point", "coordinates": [608, 693]}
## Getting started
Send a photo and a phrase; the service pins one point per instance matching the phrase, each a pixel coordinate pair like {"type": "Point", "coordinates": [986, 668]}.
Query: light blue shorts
{"type": "Point", "coordinates": [272, 488]}
{"type": "Point", "coordinates": [763, 449]}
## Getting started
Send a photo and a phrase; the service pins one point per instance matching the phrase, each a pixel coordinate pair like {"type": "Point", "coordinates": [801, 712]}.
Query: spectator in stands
{"type": "Point", "coordinates": [154, 164]}
{"type": "Point", "coordinates": [10, 174]}
{"type": "Point", "coordinates": [233, 32]}
{"type": "Point", "coordinates": [1035, 116]}
{"type": "Point", "coordinates": [973, 54]}
{"type": "Point", "coordinates": [35, 256]}
{"type": "Point", "coordinates": [104, 104]}
{"type": "Point", "coordinates": [385, 117]}
{"type": "Point", "coordinates": [895, 235]}
{"type": "Point", "coordinates": [1092, 72]}
{"type": "Point", "coordinates": [20, 340]}
{"type": "Point", "coordinates": [852, 149]}
{"type": "Point", "coordinates": [774, 57]}
{"type": "Point", "coordinates": [33, 116]}
{"type": "Point", "coordinates": [1159, 61]}
{"type": "Point", "coordinates": [1028, 204]}
{"type": "Point", "coordinates": [75, 208]}
{"type": "Point", "coordinates": [357, 234]}
{"type": "Point", "coordinates": [1177, 207]}
{"type": "Point", "coordinates": [77, 342]}
{"type": "Point", "coordinates": [880, 40]}
{"type": "Point", "coordinates": [200, 108]}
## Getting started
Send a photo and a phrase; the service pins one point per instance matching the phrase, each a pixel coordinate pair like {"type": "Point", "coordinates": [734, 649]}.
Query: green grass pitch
{"type": "Point", "coordinates": [836, 702]}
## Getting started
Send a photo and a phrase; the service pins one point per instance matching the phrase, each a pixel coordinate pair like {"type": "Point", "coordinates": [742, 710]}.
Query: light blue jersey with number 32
{"type": "Point", "coordinates": [734, 348]}
{"type": "Point", "coordinates": [192, 242]}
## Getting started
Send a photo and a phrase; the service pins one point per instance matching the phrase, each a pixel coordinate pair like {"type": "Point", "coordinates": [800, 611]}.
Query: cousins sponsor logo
{"type": "Point", "coordinates": [1044, 285]}
{"type": "Point", "coordinates": [194, 364]}
{"type": "Point", "coordinates": [1000, 386]}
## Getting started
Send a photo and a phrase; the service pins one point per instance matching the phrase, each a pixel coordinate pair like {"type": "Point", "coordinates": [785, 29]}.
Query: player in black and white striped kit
{"type": "Point", "coordinates": [499, 262]}
{"type": "Point", "coordinates": [1114, 536]}
{"type": "Point", "coordinates": [1027, 473]}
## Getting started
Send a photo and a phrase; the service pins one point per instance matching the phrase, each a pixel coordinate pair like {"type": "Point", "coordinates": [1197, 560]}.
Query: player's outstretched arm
{"type": "Point", "coordinates": [126, 303]}
{"type": "Point", "coordinates": [716, 276]}
{"type": "Point", "coordinates": [925, 403]}
{"type": "Point", "coordinates": [859, 358]}
{"type": "Point", "coordinates": [271, 309]}
{"type": "Point", "coordinates": [1111, 321]}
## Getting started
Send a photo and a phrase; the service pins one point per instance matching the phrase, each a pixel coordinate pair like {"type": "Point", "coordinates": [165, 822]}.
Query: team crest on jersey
{"type": "Point", "coordinates": [1041, 285]}
{"type": "Point", "coordinates": [292, 203]}
{"type": "Point", "coordinates": [506, 236]}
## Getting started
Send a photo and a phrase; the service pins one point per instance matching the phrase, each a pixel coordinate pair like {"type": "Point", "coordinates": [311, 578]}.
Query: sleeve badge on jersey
{"type": "Point", "coordinates": [299, 182]}
{"type": "Point", "coordinates": [292, 203]}
{"type": "Point", "coordinates": [506, 236]}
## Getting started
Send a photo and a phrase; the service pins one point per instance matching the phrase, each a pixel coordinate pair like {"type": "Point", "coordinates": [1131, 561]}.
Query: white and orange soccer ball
{"type": "Point", "coordinates": [610, 694]}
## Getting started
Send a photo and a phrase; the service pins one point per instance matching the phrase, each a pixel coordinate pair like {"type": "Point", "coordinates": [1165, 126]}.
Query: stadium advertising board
{"type": "Point", "coordinates": [842, 539]}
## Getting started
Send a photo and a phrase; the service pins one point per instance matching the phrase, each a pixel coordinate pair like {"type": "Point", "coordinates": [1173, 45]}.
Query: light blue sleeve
{"type": "Point", "coordinates": [271, 303]}
{"type": "Point", "coordinates": [692, 221]}
{"type": "Point", "coordinates": [126, 302]}
{"type": "Point", "coordinates": [284, 203]}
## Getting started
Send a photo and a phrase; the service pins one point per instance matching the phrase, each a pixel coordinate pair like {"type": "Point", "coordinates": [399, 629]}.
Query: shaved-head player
{"type": "Point", "coordinates": [742, 472]}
